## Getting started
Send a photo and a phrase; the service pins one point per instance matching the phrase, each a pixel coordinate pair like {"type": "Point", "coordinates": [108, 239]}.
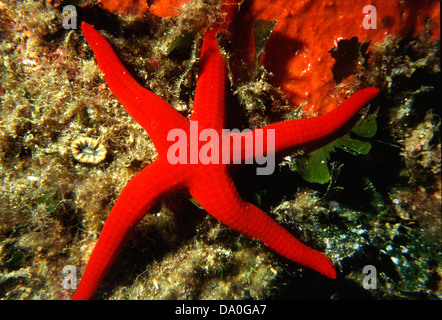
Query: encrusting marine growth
{"type": "Point", "coordinates": [210, 185]}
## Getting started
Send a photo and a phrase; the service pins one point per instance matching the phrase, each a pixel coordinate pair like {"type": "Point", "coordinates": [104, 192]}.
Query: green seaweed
{"type": "Point", "coordinates": [51, 202]}
{"type": "Point", "coordinates": [184, 38]}
{"type": "Point", "coordinates": [314, 167]}
{"type": "Point", "coordinates": [261, 33]}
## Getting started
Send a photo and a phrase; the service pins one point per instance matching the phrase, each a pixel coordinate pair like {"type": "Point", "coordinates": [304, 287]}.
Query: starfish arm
{"type": "Point", "coordinates": [209, 103]}
{"type": "Point", "coordinates": [226, 205]}
{"type": "Point", "coordinates": [138, 196]}
{"type": "Point", "coordinates": [295, 133]}
{"type": "Point", "coordinates": [154, 114]}
{"type": "Point", "coordinates": [210, 93]}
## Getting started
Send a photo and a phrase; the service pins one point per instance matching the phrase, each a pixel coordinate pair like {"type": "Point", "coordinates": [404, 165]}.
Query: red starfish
{"type": "Point", "coordinates": [209, 184]}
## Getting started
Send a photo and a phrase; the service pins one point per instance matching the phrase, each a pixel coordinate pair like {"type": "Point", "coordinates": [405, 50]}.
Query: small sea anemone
{"type": "Point", "coordinates": [88, 150]}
